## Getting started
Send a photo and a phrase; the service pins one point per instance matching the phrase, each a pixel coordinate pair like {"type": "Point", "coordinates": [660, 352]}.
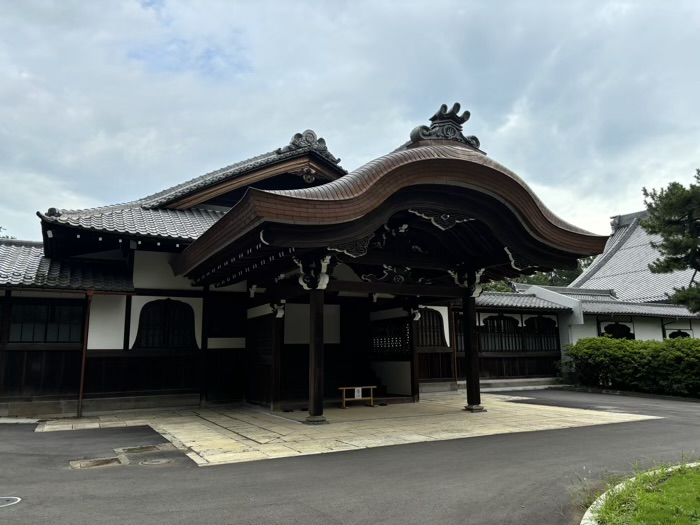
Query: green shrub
{"type": "Point", "coordinates": [670, 367]}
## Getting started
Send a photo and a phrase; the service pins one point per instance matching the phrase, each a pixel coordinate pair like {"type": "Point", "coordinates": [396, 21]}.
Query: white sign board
{"type": "Point", "coordinates": [358, 393]}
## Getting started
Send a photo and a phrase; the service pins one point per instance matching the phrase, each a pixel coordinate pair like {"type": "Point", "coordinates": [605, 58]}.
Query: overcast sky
{"type": "Point", "coordinates": [108, 101]}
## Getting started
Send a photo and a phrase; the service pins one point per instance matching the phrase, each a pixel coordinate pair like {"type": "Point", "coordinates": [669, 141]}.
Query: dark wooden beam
{"type": "Point", "coordinates": [277, 343]}
{"type": "Point", "coordinates": [471, 354]}
{"type": "Point", "coordinates": [204, 353]}
{"type": "Point", "coordinates": [86, 331]}
{"type": "Point", "coordinates": [395, 289]}
{"type": "Point", "coordinates": [127, 323]}
{"type": "Point", "coordinates": [415, 373]}
{"type": "Point", "coordinates": [316, 357]}
{"type": "Point", "coordinates": [397, 259]}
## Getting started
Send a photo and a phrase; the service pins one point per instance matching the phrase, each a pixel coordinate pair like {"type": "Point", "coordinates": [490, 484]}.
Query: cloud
{"type": "Point", "coordinates": [108, 104]}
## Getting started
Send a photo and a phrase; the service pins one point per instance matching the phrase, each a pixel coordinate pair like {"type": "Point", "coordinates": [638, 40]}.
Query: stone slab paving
{"type": "Point", "coordinates": [217, 436]}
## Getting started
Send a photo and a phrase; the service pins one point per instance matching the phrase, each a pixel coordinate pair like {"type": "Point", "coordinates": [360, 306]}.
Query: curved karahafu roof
{"type": "Point", "coordinates": [435, 208]}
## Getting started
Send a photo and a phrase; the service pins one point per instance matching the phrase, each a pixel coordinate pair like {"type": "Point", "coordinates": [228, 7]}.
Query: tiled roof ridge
{"type": "Point", "coordinates": [620, 221]}
{"type": "Point", "coordinates": [20, 242]}
{"type": "Point", "coordinates": [112, 208]}
{"type": "Point", "coordinates": [605, 257]}
{"type": "Point", "coordinates": [635, 303]}
{"type": "Point", "coordinates": [300, 144]}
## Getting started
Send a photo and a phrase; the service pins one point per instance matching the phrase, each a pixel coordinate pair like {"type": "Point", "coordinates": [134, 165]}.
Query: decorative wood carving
{"type": "Point", "coordinates": [469, 280]}
{"type": "Point", "coordinates": [442, 220]}
{"type": "Point", "coordinates": [313, 272]}
{"type": "Point", "coordinates": [394, 275]}
{"type": "Point", "coordinates": [356, 248]}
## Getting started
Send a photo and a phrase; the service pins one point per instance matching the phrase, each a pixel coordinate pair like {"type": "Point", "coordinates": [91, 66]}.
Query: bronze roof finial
{"type": "Point", "coordinates": [446, 125]}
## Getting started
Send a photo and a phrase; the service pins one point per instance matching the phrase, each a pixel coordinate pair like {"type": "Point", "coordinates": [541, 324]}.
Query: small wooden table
{"type": "Point", "coordinates": [358, 394]}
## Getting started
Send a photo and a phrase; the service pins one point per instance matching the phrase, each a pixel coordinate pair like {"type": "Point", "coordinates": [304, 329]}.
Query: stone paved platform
{"type": "Point", "coordinates": [243, 433]}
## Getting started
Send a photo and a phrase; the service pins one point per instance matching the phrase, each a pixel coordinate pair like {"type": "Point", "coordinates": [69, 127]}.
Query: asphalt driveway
{"type": "Point", "coordinates": [514, 478]}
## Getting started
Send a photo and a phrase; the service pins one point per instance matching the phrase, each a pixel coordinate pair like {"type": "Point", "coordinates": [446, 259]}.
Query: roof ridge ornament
{"type": "Point", "coordinates": [446, 125]}
{"type": "Point", "coordinates": [307, 140]}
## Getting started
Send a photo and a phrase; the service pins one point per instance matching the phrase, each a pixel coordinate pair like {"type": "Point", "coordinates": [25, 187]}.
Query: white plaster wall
{"type": "Point", "coordinates": [483, 315]}
{"type": "Point", "coordinates": [259, 311]}
{"type": "Point", "coordinates": [296, 324]}
{"type": "Point", "coordinates": [587, 329]}
{"type": "Point", "coordinates": [395, 375]}
{"type": "Point", "coordinates": [107, 322]}
{"type": "Point", "coordinates": [138, 301]}
{"type": "Point", "coordinates": [225, 342]}
{"type": "Point", "coordinates": [444, 311]}
{"type": "Point", "coordinates": [648, 328]}
{"type": "Point", "coordinates": [152, 270]}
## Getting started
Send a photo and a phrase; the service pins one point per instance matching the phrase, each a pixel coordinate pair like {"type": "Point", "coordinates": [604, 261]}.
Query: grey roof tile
{"type": "Point", "coordinates": [142, 216]}
{"type": "Point", "coordinates": [624, 265]}
{"type": "Point", "coordinates": [22, 264]}
{"type": "Point", "coordinates": [637, 309]}
{"type": "Point", "coordinates": [515, 300]}
{"type": "Point", "coordinates": [163, 223]}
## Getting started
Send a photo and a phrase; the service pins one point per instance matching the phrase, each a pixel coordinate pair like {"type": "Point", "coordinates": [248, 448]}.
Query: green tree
{"type": "Point", "coordinates": [674, 215]}
{"type": "Point", "coordinates": [553, 278]}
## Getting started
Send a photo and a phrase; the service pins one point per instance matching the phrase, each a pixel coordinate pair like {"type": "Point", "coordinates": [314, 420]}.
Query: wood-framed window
{"type": "Point", "coordinates": [46, 321]}
{"type": "Point", "coordinates": [166, 324]}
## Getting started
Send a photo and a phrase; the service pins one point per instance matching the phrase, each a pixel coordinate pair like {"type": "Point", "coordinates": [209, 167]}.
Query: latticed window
{"type": "Point", "coordinates": [500, 333]}
{"type": "Point", "coordinates": [430, 331]}
{"type": "Point", "coordinates": [392, 338]}
{"type": "Point", "coordinates": [618, 331]}
{"type": "Point", "coordinates": [540, 334]}
{"type": "Point", "coordinates": [46, 322]}
{"type": "Point", "coordinates": [166, 324]}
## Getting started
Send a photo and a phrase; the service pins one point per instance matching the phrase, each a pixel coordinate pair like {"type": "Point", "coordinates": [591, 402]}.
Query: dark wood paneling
{"type": "Point", "coordinates": [260, 352]}
{"type": "Point", "coordinates": [514, 366]}
{"type": "Point", "coordinates": [141, 372]}
{"type": "Point", "coordinates": [39, 373]}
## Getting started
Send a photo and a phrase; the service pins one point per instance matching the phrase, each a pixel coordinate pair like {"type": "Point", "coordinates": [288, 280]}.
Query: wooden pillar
{"type": "Point", "coordinates": [203, 360]}
{"type": "Point", "coordinates": [277, 343]}
{"type": "Point", "coordinates": [415, 379]}
{"type": "Point", "coordinates": [453, 343]}
{"type": "Point", "coordinates": [316, 350]}
{"type": "Point", "coordinates": [4, 336]}
{"type": "Point", "coordinates": [471, 354]}
{"type": "Point", "coordinates": [86, 331]}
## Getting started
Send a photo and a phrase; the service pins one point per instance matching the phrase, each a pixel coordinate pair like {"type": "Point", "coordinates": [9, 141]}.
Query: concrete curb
{"type": "Point", "coordinates": [589, 516]}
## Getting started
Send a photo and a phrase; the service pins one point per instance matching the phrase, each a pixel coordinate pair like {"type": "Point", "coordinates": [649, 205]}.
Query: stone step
{"type": "Point", "coordinates": [42, 408]}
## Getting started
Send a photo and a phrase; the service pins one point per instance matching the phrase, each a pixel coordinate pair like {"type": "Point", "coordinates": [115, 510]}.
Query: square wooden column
{"type": "Point", "coordinates": [471, 354]}
{"type": "Point", "coordinates": [316, 351]}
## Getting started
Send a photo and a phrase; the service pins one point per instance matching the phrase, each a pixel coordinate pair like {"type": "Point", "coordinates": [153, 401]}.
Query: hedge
{"type": "Point", "coordinates": [671, 366]}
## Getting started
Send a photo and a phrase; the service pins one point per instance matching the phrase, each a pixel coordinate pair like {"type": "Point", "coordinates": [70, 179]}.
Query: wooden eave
{"type": "Point", "coordinates": [358, 195]}
{"type": "Point", "coordinates": [321, 168]}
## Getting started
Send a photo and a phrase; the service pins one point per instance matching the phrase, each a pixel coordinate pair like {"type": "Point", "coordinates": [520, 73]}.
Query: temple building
{"type": "Point", "coordinates": [282, 278]}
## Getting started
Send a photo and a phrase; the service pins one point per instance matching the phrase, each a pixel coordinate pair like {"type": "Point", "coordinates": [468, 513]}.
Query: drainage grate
{"type": "Point", "coordinates": [98, 462]}
{"type": "Point", "coordinates": [6, 502]}
{"type": "Point", "coordinates": [149, 462]}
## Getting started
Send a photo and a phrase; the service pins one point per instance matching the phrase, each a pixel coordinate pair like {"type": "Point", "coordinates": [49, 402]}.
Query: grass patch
{"type": "Point", "coordinates": [665, 495]}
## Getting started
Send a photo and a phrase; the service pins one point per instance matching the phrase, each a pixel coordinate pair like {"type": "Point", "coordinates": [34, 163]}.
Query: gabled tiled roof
{"type": "Point", "coordinates": [637, 309]}
{"type": "Point", "coordinates": [624, 265]}
{"type": "Point", "coordinates": [23, 265]}
{"type": "Point", "coordinates": [516, 300]}
{"type": "Point", "coordinates": [129, 220]}
{"type": "Point", "coordinates": [144, 216]}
